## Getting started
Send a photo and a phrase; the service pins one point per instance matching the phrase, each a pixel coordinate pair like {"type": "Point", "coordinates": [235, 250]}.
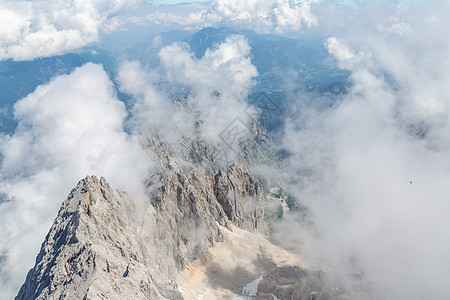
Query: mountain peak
{"type": "Point", "coordinates": [103, 244]}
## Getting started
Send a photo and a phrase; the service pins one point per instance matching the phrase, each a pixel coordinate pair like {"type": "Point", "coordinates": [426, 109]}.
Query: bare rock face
{"type": "Point", "coordinates": [233, 185]}
{"type": "Point", "coordinates": [90, 246]}
{"type": "Point", "coordinates": [105, 245]}
{"type": "Point", "coordinates": [294, 282]}
{"type": "Point", "coordinates": [189, 207]}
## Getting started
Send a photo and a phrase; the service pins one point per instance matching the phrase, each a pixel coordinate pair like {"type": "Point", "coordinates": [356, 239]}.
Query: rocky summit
{"type": "Point", "coordinates": [174, 244]}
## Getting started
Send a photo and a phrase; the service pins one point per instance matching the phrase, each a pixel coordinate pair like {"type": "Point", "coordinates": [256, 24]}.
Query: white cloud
{"type": "Point", "coordinates": [32, 29]}
{"type": "Point", "coordinates": [264, 16]}
{"type": "Point", "coordinates": [113, 24]}
{"type": "Point", "coordinates": [260, 15]}
{"type": "Point", "coordinates": [341, 52]}
{"type": "Point", "coordinates": [157, 41]}
{"type": "Point", "coordinates": [219, 83]}
{"type": "Point", "coordinates": [152, 109]}
{"type": "Point", "coordinates": [73, 126]}
{"type": "Point", "coordinates": [69, 128]}
{"type": "Point", "coordinates": [353, 163]}
{"type": "Point", "coordinates": [168, 18]}
{"type": "Point", "coordinates": [227, 69]}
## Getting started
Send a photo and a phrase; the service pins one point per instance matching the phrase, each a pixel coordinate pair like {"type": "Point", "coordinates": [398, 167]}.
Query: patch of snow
{"type": "Point", "coordinates": [251, 289]}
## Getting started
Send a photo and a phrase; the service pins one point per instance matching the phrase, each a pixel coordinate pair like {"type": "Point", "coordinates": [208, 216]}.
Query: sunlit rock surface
{"type": "Point", "coordinates": [104, 245]}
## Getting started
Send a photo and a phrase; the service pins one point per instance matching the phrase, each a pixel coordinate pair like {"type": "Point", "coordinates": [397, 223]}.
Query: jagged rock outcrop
{"type": "Point", "coordinates": [294, 282]}
{"type": "Point", "coordinates": [90, 246]}
{"type": "Point", "coordinates": [188, 205]}
{"type": "Point", "coordinates": [233, 185]}
{"type": "Point", "coordinates": [105, 245]}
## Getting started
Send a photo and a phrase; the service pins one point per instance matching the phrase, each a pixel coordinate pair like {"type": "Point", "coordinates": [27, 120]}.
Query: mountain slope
{"type": "Point", "coordinates": [104, 245]}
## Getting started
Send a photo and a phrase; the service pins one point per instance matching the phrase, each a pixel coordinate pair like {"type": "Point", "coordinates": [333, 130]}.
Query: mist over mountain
{"type": "Point", "coordinates": [306, 60]}
{"type": "Point", "coordinates": [234, 150]}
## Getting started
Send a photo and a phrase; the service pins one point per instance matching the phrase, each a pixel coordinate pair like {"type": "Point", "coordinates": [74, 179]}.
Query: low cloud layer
{"type": "Point", "coordinates": [67, 129]}
{"type": "Point", "coordinates": [32, 29]}
{"type": "Point", "coordinates": [219, 84]}
{"type": "Point", "coordinates": [374, 168]}
{"type": "Point", "coordinates": [220, 80]}
{"type": "Point", "coordinates": [74, 126]}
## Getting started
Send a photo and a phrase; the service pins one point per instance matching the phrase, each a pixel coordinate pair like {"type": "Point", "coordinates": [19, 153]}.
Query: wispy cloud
{"type": "Point", "coordinates": [278, 16]}
{"type": "Point", "coordinates": [374, 168]}
{"type": "Point", "coordinates": [74, 126]}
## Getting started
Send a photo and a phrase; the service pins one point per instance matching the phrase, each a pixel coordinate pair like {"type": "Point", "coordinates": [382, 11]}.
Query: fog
{"type": "Point", "coordinates": [76, 126]}
{"type": "Point", "coordinates": [372, 168]}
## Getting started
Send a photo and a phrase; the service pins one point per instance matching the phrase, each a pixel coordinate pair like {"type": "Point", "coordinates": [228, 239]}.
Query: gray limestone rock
{"type": "Point", "coordinates": [90, 245]}
{"type": "Point", "coordinates": [105, 245]}
{"type": "Point", "coordinates": [233, 186]}
{"type": "Point", "coordinates": [296, 283]}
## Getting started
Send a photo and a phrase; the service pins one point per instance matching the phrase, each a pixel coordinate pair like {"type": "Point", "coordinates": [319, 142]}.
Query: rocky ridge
{"type": "Point", "coordinates": [192, 236]}
{"type": "Point", "coordinates": [105, 245]}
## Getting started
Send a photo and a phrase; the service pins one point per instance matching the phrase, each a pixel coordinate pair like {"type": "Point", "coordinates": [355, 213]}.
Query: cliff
{"type": "Point", "coordinates": [105, 245]}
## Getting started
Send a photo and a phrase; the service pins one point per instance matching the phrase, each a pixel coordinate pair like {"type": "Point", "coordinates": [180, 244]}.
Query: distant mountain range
{"type": "Point", "coordinates": [275, 57]}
